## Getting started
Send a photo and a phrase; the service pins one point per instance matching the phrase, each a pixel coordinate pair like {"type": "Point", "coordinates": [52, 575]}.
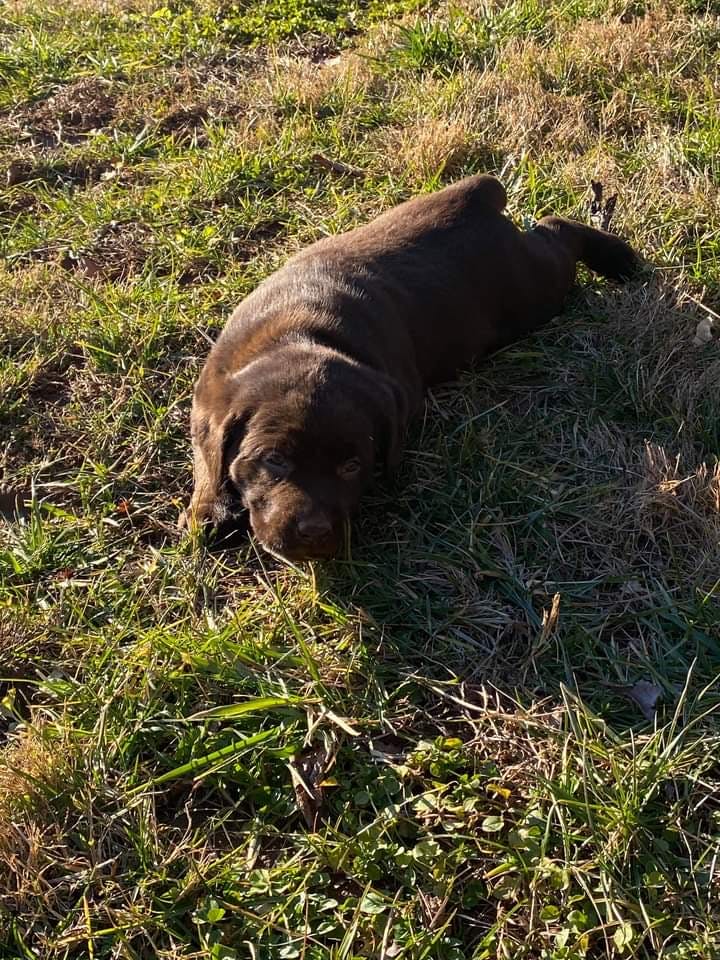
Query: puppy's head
{"type": "Point", "coordinates": [294, 438]}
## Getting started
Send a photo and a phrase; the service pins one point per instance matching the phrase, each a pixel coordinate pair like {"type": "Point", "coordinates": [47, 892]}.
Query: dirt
{"type": "Point", "coordinates": [18, 202]}
{"type": "Point", "coordinates": [50, 387]}
{"type": "Point", "coordinates": [13, 503]}
{"type": "Point", "coordinates": [78, 172]}
{"type": "Point", "coordinates": [198, 269]}
{"type": "Point", "coordinates": [243, 247]}
{"type": "Point", "coordinates": [18, 171]}
{"type": "Point", "coordinates": [186, 124]}
{"type": "Point", "coordinates": [69, 114]}
{"type": "Point", "coordinates": [118, 250]}
{"type": "Point", "coordinates": [52, 382]}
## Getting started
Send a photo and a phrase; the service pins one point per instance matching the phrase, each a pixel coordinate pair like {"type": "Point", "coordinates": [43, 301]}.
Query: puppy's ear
{"type": "Point", "coordinates": [390, 415]}
{"type": "Point", "coordinates": [210, 441]}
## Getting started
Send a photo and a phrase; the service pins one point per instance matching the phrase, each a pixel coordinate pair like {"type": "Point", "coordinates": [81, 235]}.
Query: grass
{"type": "Point", "coordinates": [491, 732]}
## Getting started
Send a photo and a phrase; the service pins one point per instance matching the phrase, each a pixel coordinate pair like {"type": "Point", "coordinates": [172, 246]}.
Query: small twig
{"type": "Point", "coordinates": [335, 166]}
{"type": "Point", "coordinates": [35, 253]}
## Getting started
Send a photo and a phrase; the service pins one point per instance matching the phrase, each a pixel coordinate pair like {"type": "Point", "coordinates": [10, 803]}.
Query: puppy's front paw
{"type": "Point", "coordinates": [620, 262]}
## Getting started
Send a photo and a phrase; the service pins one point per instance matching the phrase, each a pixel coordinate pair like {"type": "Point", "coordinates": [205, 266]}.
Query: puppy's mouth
{"type": "Point", "coordinates": [287, 544]}
{"type": "Point", "coordinates": [298, 553]}
{"type": "Point", "coordinates": [315, 532]}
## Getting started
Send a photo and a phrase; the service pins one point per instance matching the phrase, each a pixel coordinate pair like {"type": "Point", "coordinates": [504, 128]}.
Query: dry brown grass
{"type": "Point", "coordinates": [601, 51]}
{"type": "Point", "coordinates": [33, 302]}
{"type": "Point", "coordinates": [76, 8]}
{"type": "Point", "coordinates": [679, 501]}
{"type": "Point", "coordinates": [308, 84]}
{"type": "Point", "coordinates": [427, 148]}
{"type": "Point", "coordinates": [33, 767]}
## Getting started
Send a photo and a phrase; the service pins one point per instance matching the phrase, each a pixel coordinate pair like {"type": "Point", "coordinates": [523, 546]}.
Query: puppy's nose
{"type": "Point", "coordinates": [313, 526]}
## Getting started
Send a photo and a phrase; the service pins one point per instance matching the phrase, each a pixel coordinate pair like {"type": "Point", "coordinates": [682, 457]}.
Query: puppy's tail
{"type": "Point", "coordinates": [602, 252]}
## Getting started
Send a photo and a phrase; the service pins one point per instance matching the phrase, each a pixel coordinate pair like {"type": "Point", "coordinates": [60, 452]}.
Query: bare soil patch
{"type": "Point", "coordinates": [68, 115]}
{"type": "Point", "coordinates": [119, 250]}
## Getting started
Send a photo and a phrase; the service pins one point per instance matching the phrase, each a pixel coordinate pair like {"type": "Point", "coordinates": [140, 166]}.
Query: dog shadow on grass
{"type": "Point", "coordinates": [556, 520]}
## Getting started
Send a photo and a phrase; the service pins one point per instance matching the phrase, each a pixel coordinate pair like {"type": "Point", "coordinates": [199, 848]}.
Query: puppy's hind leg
{"type": "Point", "coordinates": [603, 252]}
{"type": "Point", "coordinates": [480, 192]}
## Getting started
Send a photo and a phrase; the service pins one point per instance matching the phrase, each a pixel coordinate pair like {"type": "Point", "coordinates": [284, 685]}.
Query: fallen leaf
{"type": "Point", "coordinates": [646, 696]}
{"type": "Point", "coordinates": [703, 332]}
{"type": "Point", "coordinates": [499, 791]}
{"type": "Point", "coordinates": [308, 772]}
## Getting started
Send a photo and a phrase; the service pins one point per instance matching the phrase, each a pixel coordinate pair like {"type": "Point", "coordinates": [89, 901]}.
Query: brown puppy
{"type": "Point", "coordinates": [312, 381]}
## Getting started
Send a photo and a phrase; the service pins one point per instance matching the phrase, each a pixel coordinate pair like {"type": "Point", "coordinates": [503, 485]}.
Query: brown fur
{"type": "Point", "coordinates": [312, 381]}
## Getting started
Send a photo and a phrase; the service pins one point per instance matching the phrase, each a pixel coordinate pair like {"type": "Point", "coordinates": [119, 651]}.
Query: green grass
{"type": "Point", "coordinates": [504, 705]}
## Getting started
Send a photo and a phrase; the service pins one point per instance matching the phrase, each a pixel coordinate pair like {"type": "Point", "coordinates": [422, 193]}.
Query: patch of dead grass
{"type": "Point", "coordinates": [76, 8]}
{"type": "Point", "coordinates": [204, 93]}
{"type": "Point", "coordinates": [426, 147]}
{"type": "Point", "coordinates": [34, 770]}
{"type": "Point", "coordinates": [610, 49]}
{"type": "Point", "coordinates": [660, 518]}
{"type": "Point", "coordinates": [531, 118]}
{"type": "Point", "coordinates": [34, 304]}
{"type": "Point", "coordinates": [480, 115]}
{"type": "Point", "coordinates": [349, 76]}
{"type": "Point", "coordinates": [80, 107]}
{"type": "Point", "coordinates": [679, 499]}
{"type": "Point", "coordinates": [118, 250]}
{"type": "Point", "coordinates": [59, 838]}
{"type": "Point", "coordinates": [69, 115]}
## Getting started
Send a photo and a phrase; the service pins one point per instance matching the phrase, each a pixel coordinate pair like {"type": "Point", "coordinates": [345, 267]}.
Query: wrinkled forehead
{"type": "Point", "coordinates": [308, 431]}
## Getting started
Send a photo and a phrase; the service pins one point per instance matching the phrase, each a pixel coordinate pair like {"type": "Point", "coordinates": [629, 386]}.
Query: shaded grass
{"type": "Point", "coordinates": [437, 747]}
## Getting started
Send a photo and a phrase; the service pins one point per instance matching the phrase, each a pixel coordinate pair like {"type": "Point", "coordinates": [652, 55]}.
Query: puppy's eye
{"type": "Point", "coordinates": [350, 469]}
{"type": "Point", "coordinates": [275, 462]}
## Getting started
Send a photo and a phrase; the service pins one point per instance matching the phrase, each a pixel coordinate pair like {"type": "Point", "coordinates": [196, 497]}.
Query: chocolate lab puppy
{"type": "Point", "coordinates": [311, 384]}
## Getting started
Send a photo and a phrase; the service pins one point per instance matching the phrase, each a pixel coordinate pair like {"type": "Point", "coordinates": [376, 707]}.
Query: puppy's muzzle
{"type": "Point", "coordinates": [313, 528]}
{"type": "Point", "coordinates": [312, 535]}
